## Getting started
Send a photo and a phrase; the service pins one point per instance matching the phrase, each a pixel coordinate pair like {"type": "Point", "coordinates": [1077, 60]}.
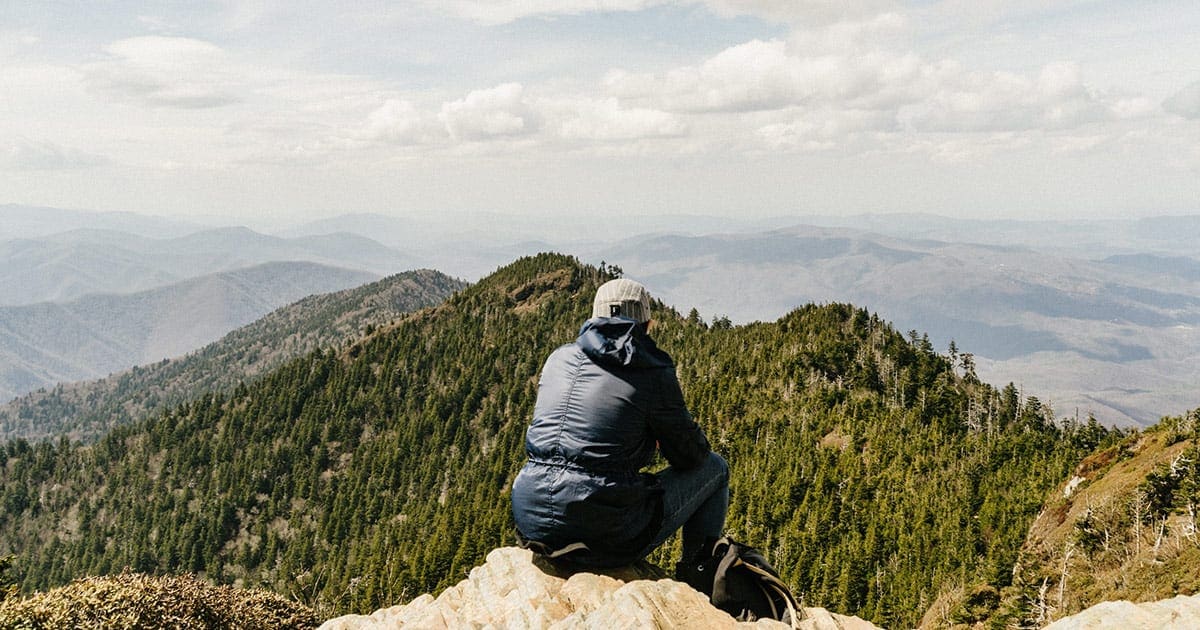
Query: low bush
{"type": "Point", "coordinates": [133, 601]}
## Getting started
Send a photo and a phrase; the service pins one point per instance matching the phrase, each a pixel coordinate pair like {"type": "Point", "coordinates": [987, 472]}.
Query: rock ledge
{"type": "Point", "coordinates": [515, 590]}
{"type": "Point", "coordinates": [1181, 611]}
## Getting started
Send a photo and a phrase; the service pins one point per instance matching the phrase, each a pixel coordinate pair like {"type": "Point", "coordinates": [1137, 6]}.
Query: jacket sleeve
{"type": "Point", "coordinates": [681, 440]}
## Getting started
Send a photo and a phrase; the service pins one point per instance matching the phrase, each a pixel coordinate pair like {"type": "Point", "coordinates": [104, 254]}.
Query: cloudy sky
{"type": "Point", "coordinates": [296, 110]}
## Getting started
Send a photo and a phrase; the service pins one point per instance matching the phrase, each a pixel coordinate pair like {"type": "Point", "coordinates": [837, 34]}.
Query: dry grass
{"type": "Point", "coordinates": [1141, 562]}
{"type": "Point", "coordinates": [1108, 478]}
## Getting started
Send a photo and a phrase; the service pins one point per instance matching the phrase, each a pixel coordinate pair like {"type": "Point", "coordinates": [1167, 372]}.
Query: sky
{"type": "Point", "coordinates": [293, 111]}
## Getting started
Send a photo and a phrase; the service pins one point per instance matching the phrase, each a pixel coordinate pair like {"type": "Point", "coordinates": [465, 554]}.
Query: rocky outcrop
{"type": "Point", "coordinates": [513, 589]}
{"type": "Point", "coordinates": [1181, 612]}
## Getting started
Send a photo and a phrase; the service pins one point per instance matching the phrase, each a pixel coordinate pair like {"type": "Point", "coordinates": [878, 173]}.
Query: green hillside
{"type": "Point", "coordinates": [1123, 527]}
{"type": "Point", "coordinates": [88, 409]}
{"type": "Point", "coordinates": [875, 473]}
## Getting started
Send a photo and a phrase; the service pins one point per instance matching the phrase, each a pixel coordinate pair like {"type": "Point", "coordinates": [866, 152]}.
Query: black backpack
{"type": "Point", "coordinates": [740, 581]}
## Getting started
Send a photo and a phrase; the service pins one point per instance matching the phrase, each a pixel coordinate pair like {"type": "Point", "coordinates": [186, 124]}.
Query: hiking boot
{"type": "Point", "coordinates": [697, 572]}
{"type": "Point", "coordinates": [696, 575]}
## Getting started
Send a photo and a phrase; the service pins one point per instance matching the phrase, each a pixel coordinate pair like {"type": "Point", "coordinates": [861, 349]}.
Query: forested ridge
{"type": "Point", "coordinates": [1123, 527]}
{"type": "Point", "coordinates": [85, 411]}
{"type": "Point", "coordinates": [876, 473]}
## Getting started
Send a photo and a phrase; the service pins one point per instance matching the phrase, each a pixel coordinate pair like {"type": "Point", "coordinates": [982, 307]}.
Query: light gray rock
{"type": "Point", "coordinates": [1180, 612]}
{"type": "Point", "coordinates": [515, 590]}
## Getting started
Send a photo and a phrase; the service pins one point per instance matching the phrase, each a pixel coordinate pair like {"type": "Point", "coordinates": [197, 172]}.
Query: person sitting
{"type": "Point", "coordinates": [605, 404]}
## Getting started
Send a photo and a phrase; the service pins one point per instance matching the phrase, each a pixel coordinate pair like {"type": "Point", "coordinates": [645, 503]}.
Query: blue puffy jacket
{"type": "Point", "coordinates": [603, 402]}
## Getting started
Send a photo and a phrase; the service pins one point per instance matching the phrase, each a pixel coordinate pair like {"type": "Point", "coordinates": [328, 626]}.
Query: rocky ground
{"type": "Point", "coordinates": [515, 590]}
{"type": "Point", "coordinates": [1181, 612]}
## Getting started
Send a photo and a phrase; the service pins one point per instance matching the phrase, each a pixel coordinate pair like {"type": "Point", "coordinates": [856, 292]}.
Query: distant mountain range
{"type": "Point", "coordinates": [1077, 238]}
{"type": "Point", "coordinates": [1115, 337]}
{"type": "Point", "coordinates": [1094, 316]}
{"type": "Point", "coordinates": [22, 221]}
{"type": "Point", "coordinates": [90, 337]}
{"type": "Point", "coordinates": [493, 234]}
{"type": "Point", "coordinates": [86, 410]}
{"type": "Point", "coordinates": [68, 265]}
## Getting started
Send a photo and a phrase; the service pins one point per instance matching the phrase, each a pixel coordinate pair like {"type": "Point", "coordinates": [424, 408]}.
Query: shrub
{"type": "Point", "coordinates": [132, 601]}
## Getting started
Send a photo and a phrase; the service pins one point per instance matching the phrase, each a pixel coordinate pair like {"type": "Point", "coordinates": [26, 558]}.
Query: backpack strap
{"type": "Point", "coordinates": [571, 548]}
{"type": "Point", "coordinates": [542, 549]}
{"type": "Point", "coordinates": [775, 584]}
{"type": "Point", "coordinates": [727, 561]}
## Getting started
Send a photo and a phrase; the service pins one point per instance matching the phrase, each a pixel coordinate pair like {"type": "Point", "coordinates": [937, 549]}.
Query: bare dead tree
{"type": "Point", "coordinates": [1041, 605]}
{"type": "Point", "coordinates": [1068, 551]}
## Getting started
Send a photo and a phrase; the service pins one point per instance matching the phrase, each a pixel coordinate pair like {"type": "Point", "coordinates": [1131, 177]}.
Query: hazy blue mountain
{"type": "Point", "coordinates": [34, 271]}
{"type": "Point", "coordinates": [1116, 338]}
{"type": "Point", "coordinates": [474, 244]}
{"type": "Point", "coordinates": [67, 265]}
{"type": "Point", "coordinates": [497, 229]}
{"type": "Point", "coordinates": [1180, 266]}
{"type": "Point", "coordinates": [86, 410]}
{"type": "Point", "coordinates": [1089, 239]}
{"type": "Point", "coordinates": [46, 343]}
{"type": "Point", "coordinates": [22, 221]}
{"type": "Point", "coordinates": [1183, 229]}
{"type": "Point", "coordinates": [468, 247]}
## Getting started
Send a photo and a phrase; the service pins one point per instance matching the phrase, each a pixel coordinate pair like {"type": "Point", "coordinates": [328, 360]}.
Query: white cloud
{"type": "Point", "coordinates": [755, 76]}
{"type": "Point", "coordinates": [1078, 144]}
{"type": "Point", "coordinates": [823, 129]}
{"type": "Point", "coordinates": [244, 14]}
{"type": "Point", "coordinates": [30, 155]}
{"type": "Point", "coordinates": [803, 11]}
{"type": "Point", "coordinates": [504, 11]}
{"type": "Point", "coordinates": [338, 92]}
{"type": "Point", "coordinates": [156, 23]}
{"type": "Point", "coordinates": [800, 134]}
{"type": "Point", "coordinates": [492, 113]}
{"type": "Point", "coordinates": [605, 119]}
{"type": "Point", "coordinates": [865, 66]}
{"type": "Point", "coordinates": [166, 72]}
{"type": "Point", "coordinates": [851, 36]}
{"type": "Point", "coordinates": [1133, 107]}
{"type": "Point", "coordinates": [1005, 101]}
{"type": "Point", "coordinates": [1185, 102]}
{"type": "Point", "coordinates": [17, 45]}
{"type": "Point", "coordinates": [971, 148]}
{"type": "Point", "coordinates": [835, 64]}
{"type": "Point", "coordinates": [751, 76]}
{"type": "Point", "coordinates": [397, 121]}
{"type": "Point", "coordinates": [788, 11]}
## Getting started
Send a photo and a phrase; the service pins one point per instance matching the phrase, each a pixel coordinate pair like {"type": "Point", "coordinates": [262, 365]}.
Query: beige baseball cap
{"type": "Point", "coordinates": [623, 297]}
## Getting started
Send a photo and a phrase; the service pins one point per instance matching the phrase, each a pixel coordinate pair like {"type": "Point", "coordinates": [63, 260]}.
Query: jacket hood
{"type": "Point", "coordinates": [620, 342]}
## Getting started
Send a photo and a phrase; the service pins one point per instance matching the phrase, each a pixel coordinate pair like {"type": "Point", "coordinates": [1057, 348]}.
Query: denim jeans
{"type": "Point", "coordinates": [695, 499]}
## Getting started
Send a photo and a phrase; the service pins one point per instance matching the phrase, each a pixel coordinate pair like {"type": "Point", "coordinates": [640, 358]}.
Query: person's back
{"type": "Point", "coordinates": [604, 402]}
